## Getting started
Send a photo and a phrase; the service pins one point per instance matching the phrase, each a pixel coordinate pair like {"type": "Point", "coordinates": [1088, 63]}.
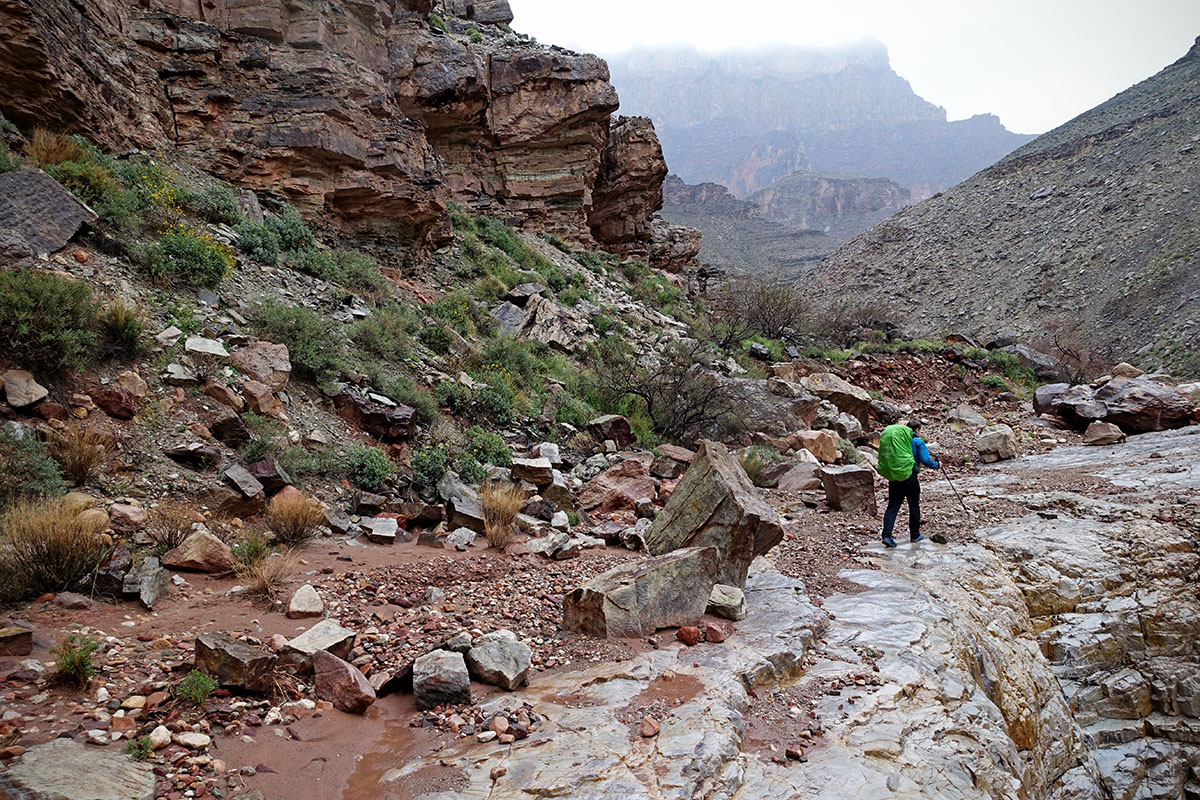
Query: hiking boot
{"type": "Point", "coordinates": [919, 537]}
{"type": "Point", "coordinates": [889, 541]}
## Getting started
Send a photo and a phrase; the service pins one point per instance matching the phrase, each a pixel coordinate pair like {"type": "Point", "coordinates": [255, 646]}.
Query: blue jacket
{"type": "Point", "coordinates": [921, 455]}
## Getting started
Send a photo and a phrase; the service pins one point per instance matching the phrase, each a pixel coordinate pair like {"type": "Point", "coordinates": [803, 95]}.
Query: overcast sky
{"type": "Point", "coordinates": [1035, 63]}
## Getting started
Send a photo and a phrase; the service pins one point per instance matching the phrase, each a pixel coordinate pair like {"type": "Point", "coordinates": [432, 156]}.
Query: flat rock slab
{"type": "Point", "coordinates": [716, 505]}
{"type": "Point", "coordinates": [326, 635]}
{"type": "Point", "coordinates": [638, 598]}
{"type": "Point", "coordinates": [63, 769]}
{"type": "Point", "coordinates": [39, 210]}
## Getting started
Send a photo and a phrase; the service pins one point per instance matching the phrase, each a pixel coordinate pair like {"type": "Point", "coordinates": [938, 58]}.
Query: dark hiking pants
{"type": "Point", "coordinates": [898, 492]}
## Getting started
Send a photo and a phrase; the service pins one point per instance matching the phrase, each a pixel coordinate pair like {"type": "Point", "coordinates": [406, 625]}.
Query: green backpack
{"type": "Point", "coordinates": [896, 460]}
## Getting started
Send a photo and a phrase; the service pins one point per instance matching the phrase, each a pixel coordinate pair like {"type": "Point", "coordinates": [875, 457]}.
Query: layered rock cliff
{"type": "Point", "coordinates": [839, 206]}
{"type": "Point", "coordinates": [371, 115]}
{"type": "Point", "coordinates": [747, 119]}
{"type": "Point", "coordinates": [1094, 223]}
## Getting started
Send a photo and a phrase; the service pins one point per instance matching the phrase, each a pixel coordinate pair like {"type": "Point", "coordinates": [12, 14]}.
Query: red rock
{"type": "Point", "coordinates": [49, 410]}
{"type": "Point", "coordinates": [223, 394]}
{"type": "Point", "coordinates": [341, 683]}
{"type": "Point", "coordinates": [117, 402]}
{"type": "Point", "coordinates": [12, 751]}
{"type": "Point", "coordinates": [265, 362]}
{"type": "Point", "coordinates": [616, 488]}
{"type": "Point", "coordinates": [714, 633]}
{"type": "Point", "coordinates": [689, 635]}
{"type": "Point", "coordinates": [629, 187]}
{"type": "Point", "coordinates": [123, 724]}
{"type": "Point", "coordinates": [650, 727]}
{"type": "Point", "coordinates": [80, 256]}
{"type": "Point", "coordinates": [498, 772]}
{"type": "Point", "coordinates": [72, 601]}
{"type": "Point", "coordinates": [259, 397]}
{"type": "Point", "coordinates": [128, 517]}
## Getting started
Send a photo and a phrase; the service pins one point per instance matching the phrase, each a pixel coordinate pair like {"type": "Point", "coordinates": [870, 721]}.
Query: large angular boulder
{"type": "Point", "coordinates": [1046, 397]}
{"type": "Point", "coordinates": [822, 444]}
{"type": "Point", "coordinates": [538, 471]}
{"type": "Point", "coordinates": [305, 602]}
{"type": "Point", "coordinates": [148, 582]}
{"type": "Point", "coordinates": [63, 769]}
{"type": "Point", "coordinates": [849, 488]}
{"type": "Point", "coordinates": [617, 488]}
{"type": "Point", "coordinates": [1078, 406]}
{"type": "Point", "coordinates": [39, 211]}
{"type": "Point", "coordinates": [802, 477]}
{"type": "Point", "coordinates": [500, 659]}
{"type": "Point", "coordinates": [201, 552]}
{"type": "Point", "coordinates": [341, 683]}
{"type": "Point", "coordinates": [773, 406]}
{"type": "Point", "coordinates": [20, 388]}
{"type": "Point", "coordinates": [614, 427]}
{"type": "Point", "coordinates": [637, 598]}
{"type": "Point", "coordinates": [1102, 433]}
{"type": "Point", "coordinates": [846, 396]}
{"type": "Point", "coordinates": [326, 635]}
{"type": "Point", "coordinates": [441, 678]}
{"type": "Point", "coordinates": [715, 504]}
{"type": "Point", "coordinates": [234, 663]}
{"type": "Point", "coordinates": [997, 443]}
{"type": "Point", "coordinates": [386, 423]}
{"type": "Point", "coordinates": [266, 363]}
{"type": "Point", "coordinates": [1139, 405]}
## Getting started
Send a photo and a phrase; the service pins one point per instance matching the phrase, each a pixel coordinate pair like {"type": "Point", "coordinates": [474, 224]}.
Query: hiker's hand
{"type": "Point", "coordinates": [937, 465]}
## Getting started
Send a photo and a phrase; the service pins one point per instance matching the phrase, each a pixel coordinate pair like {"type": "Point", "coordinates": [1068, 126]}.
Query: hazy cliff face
{"type": "Point", "coordinates": [748, 119]}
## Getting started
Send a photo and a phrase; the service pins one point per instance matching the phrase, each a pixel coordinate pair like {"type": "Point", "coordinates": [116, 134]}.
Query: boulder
{"type": "Point", "coordinates": [773, 406]}
{"type": "Point", "coordinates": [326, 635]}
{"type": "Point", "coordinates": [1078, 406]}
{"type": "Point", "coordinates": [267, 363]}
{"type": "Point", "coordinates": [677, 453]}
{"type": "Point", "coordinates": [1044, 367]}
{"type": "Point", "coordinates": [1102, 433]}
{"type": "Point", "coordinates": [148, 582]}
{"type": "Point", "coordinates": [223, 395]}
{"type": "Point", "coordinates": [259, 397]}
{"type": "Point", "coordinates": [195, 455]}
{"type": "Point", "coordinates": [201, 552]}
{"type": "Point", "coordinates": [240, 478]}
{"type": "Point", "coordinates": [521, 293]}
{"type": "Point", "coordinates": [461, 539]}
{"type": "Point", "coordinates": [1126, 370]}
{"type": "Point", "coordinates": [131, 382]}
{"type": "Point", "coordinates": [846, 396]}
{"type": "Point", "coordinates": [118, 403]}
{"type": "Point", "coordinates": [128, 517]}
{"type": "Point", "coordinates": [997, 443]}
{"type": "Point", "coordinates": [270, 474]}
{"type": "Point", "coordinates": [727, 601]}
{"type": "Point", "coordinates": [16, 641]}
{"type": "Point", "coordinates": [804, 477]}
{"type": "Point", "coordinates": [716, 505]}
{"type": "Point", "coordinates": [36, 210]}
{"type": "Point", "coordinates": [20, 389]}
{"type": "Point", "coordinates": [63, 769]}
{"type": "Point", "coordinates": [205, 347]}
{"type": "Point", "coordinates": [235, 664]}
{"type": "Point", "coordinates": [849, 488]}
{"type": "Point", "coordinates": [617, 488]}
{"type": "Point", "coordinates": [226, 502]}
{"type": "Point", "coordinates": [341, 683]}
{"type": "Point", "coordinates": [1139, 405]}
{"type": "Point", "coordinates": [639, 597]}
{"type": "Point", "coordinates": [305, 602]}
{"type": "Point", "coordinates": [441, 678]}
{"type": "Point", "coordinates": [538, 471]}
{"type": "Point", "coordinates": [612, 427]}
{"type": "Point", "coordinates": [500, 659]}
{"type": "Point", "coordinates": [382, 530]}
{"type": "Point", "coordinates": [386, 423]}
{"type": "Point", "coordinates": [464, 513]}
{"type": "Point", "coordinates": [822, 444]}
{"type": "Point", "coordinates": [509, 317]}
{"type": "Point", "coordinates": [558, 493]}
{"type": "Point", "coordinates": [1046, 397]}
{"type": "Point", "coordinates": [231, 431]}
{"type": "Point", "coordinates": [966, 417]}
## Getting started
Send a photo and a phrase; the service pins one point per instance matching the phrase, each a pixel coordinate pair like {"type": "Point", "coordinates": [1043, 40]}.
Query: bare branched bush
{"type": "Point", "coordinates": [294, 519]}
{"type": "Point", "coordinates": [79, 450]}
{"type": "Point", "coordinates": [48, 546]}
{"type": "Point", "coordinates": [1078, 359]}
{"type": "Point", "coordinates": [501, 503]}
{"type": "Point", "coordinates": [840, 321]}
{"type": "Point", "coordinates": [750, 307]}
{"type": "Point", "coordinates": [266, 578]}
{"type": "Point", "coordinates": [678, 391]}
{"type": "Point", "coordinates": [170, 523]}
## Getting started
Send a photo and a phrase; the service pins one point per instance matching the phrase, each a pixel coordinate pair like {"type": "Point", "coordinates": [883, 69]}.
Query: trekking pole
{"type": "Point", "coordinates": [956, 494]}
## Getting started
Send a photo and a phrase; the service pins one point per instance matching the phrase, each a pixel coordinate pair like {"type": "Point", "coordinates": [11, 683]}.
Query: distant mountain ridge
{"type": "Point", "coordinates": [747, 119]}
{"type": "Point", "coordinates": [1095, 224]}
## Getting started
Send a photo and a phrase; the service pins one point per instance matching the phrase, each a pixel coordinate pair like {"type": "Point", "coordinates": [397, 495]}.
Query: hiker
{"type": "Point", "coordinates": [901, 453]}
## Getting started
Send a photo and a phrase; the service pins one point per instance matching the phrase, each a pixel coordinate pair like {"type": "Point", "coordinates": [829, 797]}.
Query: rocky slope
{"type": "Point", "coordinates": [745, 120]}
{"type": "Point", "coordinates": [1094, 223]}
{"type": "Point", "coordinates": [371, 116]}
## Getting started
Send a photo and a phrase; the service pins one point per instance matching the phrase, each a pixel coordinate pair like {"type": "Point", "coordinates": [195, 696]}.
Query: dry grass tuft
{"type": "Point", "coordinates": [266, 578]}
{"type": "Point", "coordinates": [48, 147]}
{"type": "Point", "coordinates": [501, 503]}
{"type": "Point", "coordinates": [47, 546]}
{"type": "Point", "coordinates": [79, 451]}
{"type": "Point", "coordinates": [294, 519]}
{"type": "Point", "coordinates": [170, 523]}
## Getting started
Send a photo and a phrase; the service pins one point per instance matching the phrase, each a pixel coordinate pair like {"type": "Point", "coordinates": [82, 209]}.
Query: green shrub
{"type": "Point", "coordinates": [8, 162]}
{"type": "Point", "coordinates": [556, 242]}
{"type": "Point", "coordinates": [139, 749]}
{"type": "Point", "coordinates": [1010, 365]}
{"type": "Point", "coordinates": [7, 125]}
{"type": "Point", "coordinates": [359, 272]}
{"type": "Point", "coordinates": [505, 239]}
{"type": "Point", "coordinates": [570, 410]}
{"type": "Point", "coordinates": [436, 22]}
{"type": "Point", "coordinates": [453, 395]}
{"type": "Point", "coordinates": [151, 186]}
{"type": "Point", "coordinates": [387, 333]}
{"type": "Point", "coordinates": [995, 382]}
{"type": "Point", "coordinates": [429, 465]}
{"type": "Point", "coordinates": [436, 338]}
{"type": "Point", "coordinates": [123, 328]}
{"type": "Point", "coordinates": [190, 257]}
{"type": "Point", "coordinates": [603, 324]}
{"type": "Point", "coordinates": [215, 203]}
{"type": "Point", "coordinates": [368, 467]}
{"type": "Point", "coordinates": [289, 229]}
{"type": "Point", "coordinates": [313, 261]}
{"type": "Point", "coordinates": [486, 447]}
{"type": "Point", "coordinates": [259, 242]}
{"type": "Point", "coordinates": [404, 389]}
{"type": "Point", "coordinates": [195, 688]}
{"type": "Point", "coordinates": [183, 316]}
{"type": "Point", "coordinates": [88, 174]}
{"type": "Point", "coordinates": [513, 358]}
{"type": "Point", "coordinates": [26, 470]}
{"type": "Point", "coordinates": [74, 655]}
{"type": "Point", "coordinates": [317, 350]}
{"type": "Point", "coordinates": [469, 469]}
{"type": "Point", "coordinates": [304, 462]}
{"type": "Point", "coordinates": [457, 310]}
{"type": "Point", "coordinates": [46, 321]}
{"type": "Point", "coordinates": [474, 35]}
{"type": "Point", "coordinates": [252, 547]}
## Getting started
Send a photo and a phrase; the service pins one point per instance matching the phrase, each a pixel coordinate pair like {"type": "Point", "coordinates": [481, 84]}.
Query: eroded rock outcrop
{"type": "Point", "coordinates": [629, 188]}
